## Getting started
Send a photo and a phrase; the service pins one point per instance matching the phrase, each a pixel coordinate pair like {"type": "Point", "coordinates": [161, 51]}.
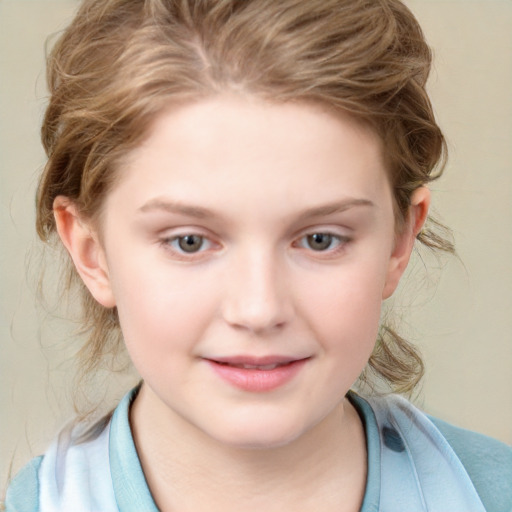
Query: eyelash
{"type": "Point", "coordinates": [340, 240]}
{"type": "Point", "coordinates": [172, 244]}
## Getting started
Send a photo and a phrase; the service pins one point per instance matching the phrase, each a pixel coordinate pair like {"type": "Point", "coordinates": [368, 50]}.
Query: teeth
{"type": "Point", "coordinates": [263, 367]}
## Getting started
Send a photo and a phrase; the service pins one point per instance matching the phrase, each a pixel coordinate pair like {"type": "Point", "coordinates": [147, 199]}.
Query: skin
{"type": "Point", "coordinates": [253, 181]}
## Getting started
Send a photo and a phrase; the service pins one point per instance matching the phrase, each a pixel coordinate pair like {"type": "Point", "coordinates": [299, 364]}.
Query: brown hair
{"type": "Point", "coordinates": [120, 62]}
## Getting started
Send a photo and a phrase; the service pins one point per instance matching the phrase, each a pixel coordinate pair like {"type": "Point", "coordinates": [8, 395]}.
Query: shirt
{"type": "Point", "coordinates": [415, 463]}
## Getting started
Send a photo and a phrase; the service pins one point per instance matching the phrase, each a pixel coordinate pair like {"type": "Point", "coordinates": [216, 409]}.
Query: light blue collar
{"type": "Point", "coordinates": [411, 466]}
{"type": "Point", "coordinates": [130, 487]}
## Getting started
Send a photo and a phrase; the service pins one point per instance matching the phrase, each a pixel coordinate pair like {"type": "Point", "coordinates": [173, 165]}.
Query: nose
{"type": "Point", "coordinates": [257, 296]}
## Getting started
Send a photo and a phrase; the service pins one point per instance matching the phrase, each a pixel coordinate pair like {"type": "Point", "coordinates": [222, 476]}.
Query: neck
{"type": "Point", "coordinates": [186, 469]}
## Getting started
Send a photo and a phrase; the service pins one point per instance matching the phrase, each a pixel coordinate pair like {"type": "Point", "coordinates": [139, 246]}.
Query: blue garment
{"type": "Point", "coordinates": [414, 464]}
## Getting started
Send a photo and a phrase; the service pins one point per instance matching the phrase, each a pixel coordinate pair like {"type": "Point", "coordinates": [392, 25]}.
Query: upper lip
{"type": "Point", "coordinates": [255, 360]}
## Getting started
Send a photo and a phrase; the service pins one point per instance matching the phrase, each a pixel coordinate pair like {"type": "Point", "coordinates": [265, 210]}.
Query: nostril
{"type": "Point", "coordinates": [256, 321]}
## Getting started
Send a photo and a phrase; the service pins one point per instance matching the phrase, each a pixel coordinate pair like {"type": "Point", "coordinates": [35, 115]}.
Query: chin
{"type": "Point", "coordinates": [260, 434]}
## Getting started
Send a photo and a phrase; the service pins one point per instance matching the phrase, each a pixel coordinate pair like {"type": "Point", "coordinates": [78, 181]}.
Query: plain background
{"type": "Point", "coordinates": [458, 311]}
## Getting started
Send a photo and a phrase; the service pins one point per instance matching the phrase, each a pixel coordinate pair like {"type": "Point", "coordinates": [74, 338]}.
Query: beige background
{"type": "Point", "coordinates": [460, 315]}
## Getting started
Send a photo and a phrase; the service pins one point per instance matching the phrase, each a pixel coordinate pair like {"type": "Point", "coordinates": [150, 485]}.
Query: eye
{"type": "Point", "coordinates": [319, 241]}
{"type": "Point", "coordinates": [322, 242]}
{"type": "Point", "coordinates": [188, 244]}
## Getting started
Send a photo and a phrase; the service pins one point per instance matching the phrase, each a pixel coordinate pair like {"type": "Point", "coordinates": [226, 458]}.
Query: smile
{"type": "Point", "coordinates": [264, 367]}
{"type": "Point", "coordinates": [257, 375]}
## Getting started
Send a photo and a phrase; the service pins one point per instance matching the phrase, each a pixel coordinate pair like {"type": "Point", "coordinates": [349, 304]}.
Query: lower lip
{"type": "Point", "coordinates": [258, 381]}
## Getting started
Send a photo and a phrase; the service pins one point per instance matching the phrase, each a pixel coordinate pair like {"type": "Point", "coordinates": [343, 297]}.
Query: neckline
{"type": "Point", "coordinates": [131, 489]}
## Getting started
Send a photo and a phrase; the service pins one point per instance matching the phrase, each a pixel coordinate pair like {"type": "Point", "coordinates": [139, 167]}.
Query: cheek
{"type": "Point", "coordinates": [162, 313]}
{"type": "Point", "coordinates": [345, 307]}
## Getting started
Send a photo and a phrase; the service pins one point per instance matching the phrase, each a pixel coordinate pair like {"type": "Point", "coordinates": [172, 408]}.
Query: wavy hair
{"type": "Point", "coordinates": [121, 62]}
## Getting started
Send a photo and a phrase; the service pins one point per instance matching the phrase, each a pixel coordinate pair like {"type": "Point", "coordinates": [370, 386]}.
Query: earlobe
{"type": "Point", "coordinates": [417, 214]}
{"type": "Point", "coordinates": [85, 250]}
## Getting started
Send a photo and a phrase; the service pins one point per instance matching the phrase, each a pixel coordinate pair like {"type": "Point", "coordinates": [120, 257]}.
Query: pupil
{"type": "Point", "coordinates": [319, 241]}
{"type": "Point", "coordinates": [190, 243]}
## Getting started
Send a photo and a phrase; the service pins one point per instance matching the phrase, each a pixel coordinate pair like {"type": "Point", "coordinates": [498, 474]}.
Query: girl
{"type": "Point", "coordinates": [239, 186]}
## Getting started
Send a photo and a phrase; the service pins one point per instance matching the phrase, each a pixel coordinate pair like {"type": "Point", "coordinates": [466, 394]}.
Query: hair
{"type": "Point", "coordinates": [121, 62]}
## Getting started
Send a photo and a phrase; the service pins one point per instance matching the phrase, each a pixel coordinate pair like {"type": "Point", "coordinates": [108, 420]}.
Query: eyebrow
{"type": "Point", "coordinates": [176, 207]}
{"type": "Point", "coordinates": [335, 207]}
{"type": "Point", "coordinates": [199, 212]}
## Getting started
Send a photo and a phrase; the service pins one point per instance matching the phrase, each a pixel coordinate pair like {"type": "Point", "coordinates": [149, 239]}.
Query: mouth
{"type": "Point", "coordinates": [257, 374]}
{"type": "Point", "coordinates": [264, 367]}
{"type": "Point", "coordinates": [257, 363]}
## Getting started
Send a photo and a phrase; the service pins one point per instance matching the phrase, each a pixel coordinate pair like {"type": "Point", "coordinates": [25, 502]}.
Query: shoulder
{"type": "Point", "coordinates": [487, 461]}
{"type": "Point", "coordinates": [442, 452]}
{"type": "Point", "coordinates": [23, 491]}
{"type": "Point", "coordinates": [73, 475]}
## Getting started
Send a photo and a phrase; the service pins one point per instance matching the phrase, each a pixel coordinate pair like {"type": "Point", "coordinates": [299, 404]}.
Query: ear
{"type": "Point", "coordinates": [83, 245]}
{"type": "Point", "coordinates": [404, 243]}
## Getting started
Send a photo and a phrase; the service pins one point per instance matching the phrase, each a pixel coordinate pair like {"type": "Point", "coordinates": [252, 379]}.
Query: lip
{"type": "Point", "coordinates": [257, 374]}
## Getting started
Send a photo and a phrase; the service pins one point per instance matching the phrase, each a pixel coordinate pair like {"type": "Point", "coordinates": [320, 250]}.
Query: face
{"type": "Point", "coordinates": [248, 247]}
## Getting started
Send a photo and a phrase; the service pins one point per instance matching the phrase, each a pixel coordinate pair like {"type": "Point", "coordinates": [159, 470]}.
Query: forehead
{"type": "Point", "coordinates": [250, 150]}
